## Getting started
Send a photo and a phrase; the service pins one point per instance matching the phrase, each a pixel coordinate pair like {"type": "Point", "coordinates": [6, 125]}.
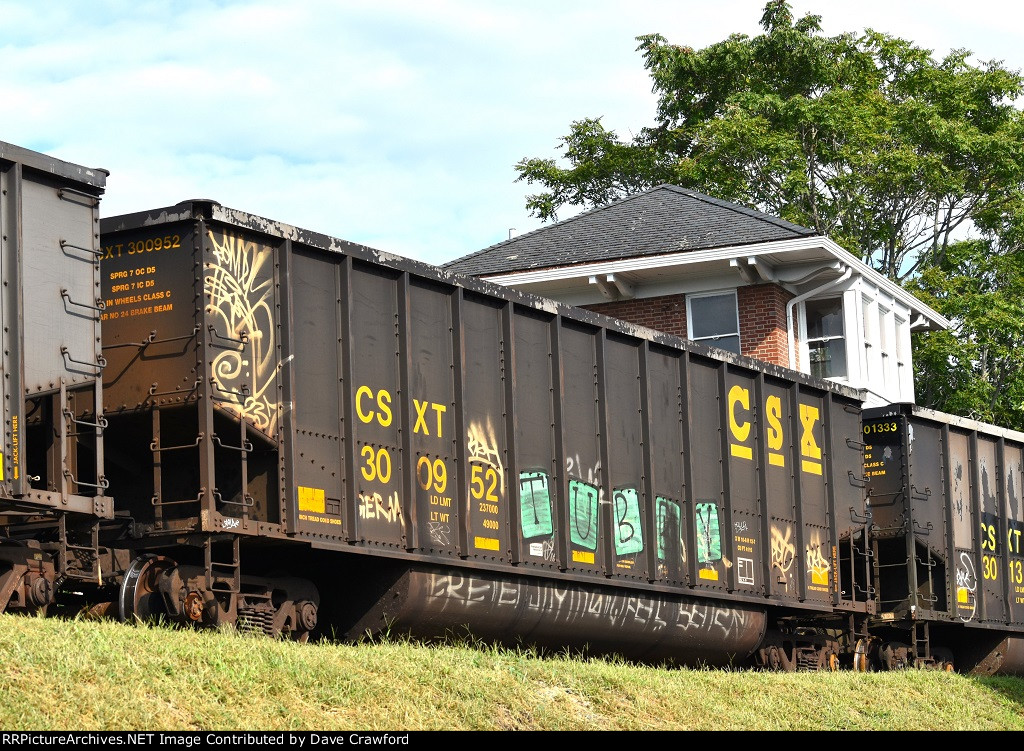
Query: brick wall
{"type": "Point", "coordinates": [762, 310]}
{"type": "Point", "coordinates": [763, 322]}
{"type": "Point", "coordinates": [666, 313]}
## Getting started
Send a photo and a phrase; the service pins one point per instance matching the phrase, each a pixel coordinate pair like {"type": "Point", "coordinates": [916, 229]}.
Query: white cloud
{"type": "Point", "coordinates": [395, 124]}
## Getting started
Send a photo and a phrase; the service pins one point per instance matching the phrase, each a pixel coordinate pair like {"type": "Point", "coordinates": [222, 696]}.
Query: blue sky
{"type": "Point", "coordinates": [392, 123]}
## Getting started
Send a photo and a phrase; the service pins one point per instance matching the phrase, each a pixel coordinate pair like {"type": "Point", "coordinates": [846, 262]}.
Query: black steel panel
{"type": "Point", "coordinates": [379, 465]}
{"type": "Point", "coordinates": [993, 564]}
{"type": "Point", "coordinates": [432, 398]}
{"type": "Point", "coordinates": [781, 456]}
{"type": "Point", "coordinates": [486, 495]}
{"type": "Point", "coordinates": [623, 418]}
{"type": "Point", "coordinates": [928, 569]}
{"type": "Point", "coordinates": [964, 526]}
{"type": "Point", "coordinates": [539, 468]}
{"type": "Point", "coordinates": [711, 526]}
{"type": "Point", "coordinates": [583, 488]}
{"type": "Point", "coordinates": [815, 468]}
{"type": "Point", "coordinates": [151, 289]}
{"type": "Point", "coordinates": [667, 415]}
{"type": "Point", "coordinates": [316, 398]}
{"type": "Point", "coordinates": [745, 427]}
{"type": "Point", "coordinates": [1013, 484]}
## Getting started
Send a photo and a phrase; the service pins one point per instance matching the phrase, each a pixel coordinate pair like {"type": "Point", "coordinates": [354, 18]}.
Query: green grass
{"type": "Point", "coordinates": [101, 675]}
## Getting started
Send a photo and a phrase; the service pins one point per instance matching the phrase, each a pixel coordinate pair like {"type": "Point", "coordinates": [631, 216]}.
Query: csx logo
{"type": "Point", "coordinates": [741, 430]}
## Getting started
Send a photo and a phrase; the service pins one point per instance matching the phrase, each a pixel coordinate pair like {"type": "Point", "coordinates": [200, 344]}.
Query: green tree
{"type": "Point", "coordinates": [977, 368]}
{"type": "Point", "coordinates": [865, 138]}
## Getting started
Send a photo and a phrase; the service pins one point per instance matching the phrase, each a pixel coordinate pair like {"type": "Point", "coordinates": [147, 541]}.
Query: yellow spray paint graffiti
{"type": "Point", "coordinates": [239, 289]}
{"type": "Point", "coordinates": [817, 565]}
{"type": "Point", "coordinates": [783, 553]}
{"type": "Point", "coordinates": [486, 481]}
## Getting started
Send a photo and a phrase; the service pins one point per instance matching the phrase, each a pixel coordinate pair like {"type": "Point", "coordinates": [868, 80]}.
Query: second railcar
{"type": "Point", "coordinates": [436, 453]}
{"type": "Point", "coordinates": [946, 498]}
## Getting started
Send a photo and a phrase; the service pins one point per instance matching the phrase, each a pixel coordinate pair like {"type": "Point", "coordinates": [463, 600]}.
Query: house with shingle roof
{"type": "Point", "coordinates": [719, 273]}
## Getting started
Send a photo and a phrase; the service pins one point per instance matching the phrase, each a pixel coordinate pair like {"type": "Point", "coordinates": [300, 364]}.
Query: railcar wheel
{"type": "Point", "coordinates": [862, 656]}
{"type": "Point", "coordinates": [305, 620]}
{"type": "Point", "coordinates": [140, 598]}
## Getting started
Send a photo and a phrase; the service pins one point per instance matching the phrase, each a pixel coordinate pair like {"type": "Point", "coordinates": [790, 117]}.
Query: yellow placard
{"type": "Point", "coordinates": [311, 499]}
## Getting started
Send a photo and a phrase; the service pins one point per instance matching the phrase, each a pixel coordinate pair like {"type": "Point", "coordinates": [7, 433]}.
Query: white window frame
{"type": "Point", "coordinates": [711, 340]}
{"type": "Point", "coordinates": [846, 303]}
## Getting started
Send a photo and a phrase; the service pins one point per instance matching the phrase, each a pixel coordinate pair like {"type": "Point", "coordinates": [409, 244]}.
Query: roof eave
{"type": "Point", "coordinates": [667, 260]}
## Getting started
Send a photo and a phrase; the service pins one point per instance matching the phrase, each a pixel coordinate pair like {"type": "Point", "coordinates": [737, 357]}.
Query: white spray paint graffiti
{"type": "Point", "coordinates": [579, 607]}
{"type": "Point", "coordinates": [591, 475]}
{"type": "Point", "coordinates": [243, 305]}
{"type": "Point", "coordinates": [817, 565]}
{"type": "Point", "coordinates": [966, 587]}
{"type": "Point", "coordinates": [783, 551]}
{"type": "Point", "coordinates": [440, 533]}
{"type": "Point", "coordinates": [482, 446]}
{"type": "Point", "coordinates": [373, 506]}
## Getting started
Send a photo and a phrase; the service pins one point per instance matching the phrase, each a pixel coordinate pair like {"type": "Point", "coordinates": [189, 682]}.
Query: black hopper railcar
{"type": "Point", "coordinates": [945, 494]}
{"type": "Point", "coordinates": [304, 429]}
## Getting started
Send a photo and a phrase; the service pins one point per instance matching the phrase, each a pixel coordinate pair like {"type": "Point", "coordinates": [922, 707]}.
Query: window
{"type": "Point", "coordinates": [714, 320]}
{"type": "Point", "coordinates": [826, 345]}
{"type": "Point", "coordinates": [888, 361]}
{"type": "Point", "coordinates": [904, 379]}
{"type": "Point", "coordinates": [867, 324]}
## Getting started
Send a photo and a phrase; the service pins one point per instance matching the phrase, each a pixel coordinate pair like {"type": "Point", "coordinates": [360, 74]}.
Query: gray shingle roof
{"type": "Point", "coordinates": [665, 219]}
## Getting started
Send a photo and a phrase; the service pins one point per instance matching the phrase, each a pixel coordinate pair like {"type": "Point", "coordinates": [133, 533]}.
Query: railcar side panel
{"type": "Point", "coordinates": [986, 484]}
{"type": "Point", "coordinates": [622, 421]}
{"type": "Point", "coordinates": [50, 308]}
{"type": "Point", "coordinates": [1013, 513]}
{"type": "Point", "coordinates": [583, 485]}
{"type": "Point", "coordinates": [852, 519]}
{"type": "Point", "coordinates": [431, 398]}
{"type": "Point", "coordinates": [484, 486]}
{"type": "Point", "coordinates": [745, 423]}
{"type": "Point", "coordinates": [814, 469]}
{"type": "Point", "coordinates": [669, 460]}
{"type": "Point", "coordinates": [378, 423]}
{"type": "Point", "coordinates": [316, 421]}
{"type": "Point", "coordinates": [710, 535]}
{"type": "Point", "coordinates": [780, 505]}
{"type": "Point", "coordinates": [966, 568]}
{"type": "Point", "coordinates": [538, 471]}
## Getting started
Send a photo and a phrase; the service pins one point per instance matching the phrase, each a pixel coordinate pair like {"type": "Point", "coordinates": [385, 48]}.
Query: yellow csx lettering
{"type": "Point", "coordinates": [988, 537]}
{"type": "Point", "coordinates": [376, 406]}
{"type": "Point", "coordinates": [382, 401]}
{"type": "Point", "coordinates": [738, 400]}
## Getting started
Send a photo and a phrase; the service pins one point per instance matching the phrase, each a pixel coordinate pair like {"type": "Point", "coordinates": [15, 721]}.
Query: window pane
{"type": "Point", "coordinates": [730, 343]}
{"type": "Point", "coordinates": [713, 315]}
{"type": "Point", "coordinates": [828, 358]}
{"type": "Point", "coordinates": [824, 318]}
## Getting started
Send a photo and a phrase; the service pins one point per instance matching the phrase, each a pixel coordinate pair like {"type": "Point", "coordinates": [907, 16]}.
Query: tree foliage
{"type": "Point", "coordinates": [977, 368]}
{"type": "Point", "coordinates": [865, 138]}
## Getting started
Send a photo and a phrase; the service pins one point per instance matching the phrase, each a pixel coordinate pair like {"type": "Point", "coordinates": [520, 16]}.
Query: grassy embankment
{"type": "Point", "coordinates": [87, 675]}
